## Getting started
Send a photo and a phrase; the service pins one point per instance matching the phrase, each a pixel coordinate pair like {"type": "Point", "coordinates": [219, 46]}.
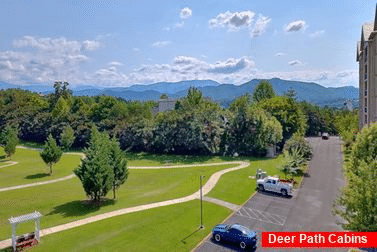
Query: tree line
{"type": "Point", "coordinates": [197, 125]}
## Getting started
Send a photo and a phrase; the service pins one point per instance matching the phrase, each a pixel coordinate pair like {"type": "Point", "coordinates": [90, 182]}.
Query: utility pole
{"type": "Point", "coordinates": [201, 203]}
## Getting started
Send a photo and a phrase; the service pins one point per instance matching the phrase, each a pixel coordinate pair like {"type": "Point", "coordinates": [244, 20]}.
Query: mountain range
{"type": "Point", "coordinates": [222, 93]}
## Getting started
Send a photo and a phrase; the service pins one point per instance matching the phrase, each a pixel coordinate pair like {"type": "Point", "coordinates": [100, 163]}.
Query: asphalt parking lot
{"type": "Point", "coordinates": [308, 210]}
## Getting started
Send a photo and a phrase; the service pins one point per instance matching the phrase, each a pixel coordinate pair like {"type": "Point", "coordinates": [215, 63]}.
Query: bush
{"type": "Point", "coordinates": [299, 143]}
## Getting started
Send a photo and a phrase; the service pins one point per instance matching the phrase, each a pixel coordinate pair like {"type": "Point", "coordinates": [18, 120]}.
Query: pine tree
{"type": "Point", "coordinates": [11, 139]}
{"type": "Point", "coordinates": [51, 153]}
{"type": "Point", "coordinates": [95, 171]}
{"type": "Point", "coordinates": [119, 165]}
{"type": "Point", "coordinates": [67, 137]}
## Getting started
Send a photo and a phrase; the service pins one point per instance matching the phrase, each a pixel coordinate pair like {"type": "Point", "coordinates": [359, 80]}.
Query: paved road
{"type": "Point", "coordinates": [308, 210]}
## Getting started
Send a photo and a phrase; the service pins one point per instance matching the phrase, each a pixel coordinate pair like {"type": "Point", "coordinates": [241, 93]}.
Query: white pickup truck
{"type": "Point", "coordinates": [273, 184]}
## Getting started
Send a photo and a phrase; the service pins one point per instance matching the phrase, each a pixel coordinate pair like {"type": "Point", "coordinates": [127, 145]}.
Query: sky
{"type": "Point", "coordinates": [121, 43]}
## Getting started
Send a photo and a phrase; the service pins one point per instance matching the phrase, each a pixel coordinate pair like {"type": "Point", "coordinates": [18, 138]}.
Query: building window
{"type": "Point", "coordinates": [365, 109]}
{"type": "Point", "coordinates": [366, 85]}
{"type": "Point", "coordinates": [365, 102]}
{"type": "Point", "coordinates": [366, 119]}
{"type": "Point", "coordinates": [366, 92]}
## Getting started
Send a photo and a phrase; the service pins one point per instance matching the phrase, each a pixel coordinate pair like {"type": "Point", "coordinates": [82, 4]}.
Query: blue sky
{"type": "Point", "coordinates": [120, 43]}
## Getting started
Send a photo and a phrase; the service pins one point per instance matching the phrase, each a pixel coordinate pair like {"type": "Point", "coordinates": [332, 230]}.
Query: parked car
{"type": "Point", "coordinates": [236, 233]}
{"type": "Point", "coordinates": [274, 184]}
{"type": "Point", "coordinates": [325, 136]}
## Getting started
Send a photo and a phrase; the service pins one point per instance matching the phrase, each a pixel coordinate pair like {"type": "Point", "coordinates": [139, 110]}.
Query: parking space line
{"type": "Point", "coordinates": [262, 216]}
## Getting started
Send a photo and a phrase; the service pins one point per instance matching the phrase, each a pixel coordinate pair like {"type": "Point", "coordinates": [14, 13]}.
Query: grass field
{"type": "Point", "coordinates": [31, 168]}
{"type": "Point", "coordinates": [62, 202]}
{"type": "Point", "coordinates": [170, 228]}
{"type": "Point", "coordinates": [237, 186]}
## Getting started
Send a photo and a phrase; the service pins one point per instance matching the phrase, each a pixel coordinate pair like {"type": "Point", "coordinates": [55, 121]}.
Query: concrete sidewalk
{"type": "Point", "coordinates": [212, 181]}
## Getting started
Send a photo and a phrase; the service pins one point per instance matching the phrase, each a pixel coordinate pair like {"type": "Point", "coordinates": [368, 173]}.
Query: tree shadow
{"type": "Point", "coordinates": [37, 176]}
{"type": "Point", "coordinates": [2, 157]}
{"type": "Point", "coordinates": [80, 207]}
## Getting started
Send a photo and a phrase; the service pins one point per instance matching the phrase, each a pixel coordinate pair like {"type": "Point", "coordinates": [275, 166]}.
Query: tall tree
{"type": "Point", "coordinates": [263, 91]}
{"type": "Point", "coordinates": [118, 164]}
{"type": "Point", "coordinates": [51, 153]}
{"type": "Point", "coordinates": [67, 137]}
{"type": "Point", "coordinates": [11, 141]}
{"type": "Point", "coordinates": [95, 171]}
{"type": "Point", "coordinates": [357, 203]}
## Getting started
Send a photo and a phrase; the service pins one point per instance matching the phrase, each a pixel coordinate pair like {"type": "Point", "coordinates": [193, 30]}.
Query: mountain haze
{"type": "Point", "coordinates": [222, 93]}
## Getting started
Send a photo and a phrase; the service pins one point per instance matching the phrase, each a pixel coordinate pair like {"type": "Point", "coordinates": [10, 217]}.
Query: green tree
{"type": "Point", "coordinates": [61, 108]}
{"type": "Point", "coordinates": [95, 171]}
{"type": "Point", "coordinates": [291, 93]}
{"type": "Point", "coordinates": [298, 143]}
{"type": "Point", "coordinates": [357, 203]}
{"type": "Point", "coordinates": [164, 96]}
{"type": "Point", "coordinates": [11, 141]}
{"type": "Point", "coordinates": [67, 137]}
{"type": "Point", "coordinates": [288, 113]}
{"type": "Point", "coordinates": [119, 165]}
{"type": "Point", "coordinates": [51, 153]}
{"type": "Point", "coordinates": [293, 162]}
{"type": "Point", "coordinates": [263, 91]}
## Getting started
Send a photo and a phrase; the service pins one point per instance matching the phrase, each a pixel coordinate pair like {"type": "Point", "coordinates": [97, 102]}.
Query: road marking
{"type": "Point", "coordinates": [262, 216]}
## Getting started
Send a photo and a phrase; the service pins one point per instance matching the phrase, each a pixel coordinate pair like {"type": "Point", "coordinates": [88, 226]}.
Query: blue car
{"type": "Point", "coordinates": [235, 233]}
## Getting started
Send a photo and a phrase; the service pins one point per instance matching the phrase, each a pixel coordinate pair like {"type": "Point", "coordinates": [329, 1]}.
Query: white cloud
{"type": "Point", "coordinates": [232, 20]}
{"type": "Point", "coordinates": [295, 26]}
{"type": "Point", "coordinates": [185, 13]}
{"type": "Point", "coordinates": [135, 49]}
{"type": "Point", "coordinates": [161, 43]}
{"type": "Point", "coordinates": [230, 66]}
{"type": "Point", "coordinates": [260, 26]}
{"type": "Point", "coordinates": [317, 34]}
{"type": "Point", "coordinates": [90, 45]}
{"type": "Point", "coordinates": [166, 28]}
{"type": "Point", "coordinates": [295, 63]}
{"type": "Point", "coordinates": [45, 59]}
{"type": "Point", "coordinates": [280, 54]}
{"type": "Point", "coordinates": [116, 63]}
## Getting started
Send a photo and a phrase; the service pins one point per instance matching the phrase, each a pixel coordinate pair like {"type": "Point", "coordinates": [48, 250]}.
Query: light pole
{"type": "Point", "coordinates": [201, 203]}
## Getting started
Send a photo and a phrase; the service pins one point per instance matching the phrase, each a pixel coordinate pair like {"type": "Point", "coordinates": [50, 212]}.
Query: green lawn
{"type": "Point", "coordinates": [31, 168]}
{"type": "Point", "coordinates": [147, 159]}
{"type": "Point", "coordinates": [62, 202]}
{"type": "Point", "coordinates": [237, 186]}
{"type": "Point", "coordinates": [170, 228]}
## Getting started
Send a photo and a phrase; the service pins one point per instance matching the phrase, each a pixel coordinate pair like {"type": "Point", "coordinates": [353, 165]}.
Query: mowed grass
{"type": "Point", "coordinates": [148, 159]}
{"type": "Point", "coordinates": [169, 228]}
{"type": "Point", "coordinates": [237, 186]}
{"type": "Point", "coordinates": [62, 202]}
{"type": "Point", "coordinates": [31, 168]}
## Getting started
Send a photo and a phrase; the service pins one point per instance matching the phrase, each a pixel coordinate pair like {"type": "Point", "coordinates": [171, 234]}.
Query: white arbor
{"type": "Point", "coordinates": [36, 216]}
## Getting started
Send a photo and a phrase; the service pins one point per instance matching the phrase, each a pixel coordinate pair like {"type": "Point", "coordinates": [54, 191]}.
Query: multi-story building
{"type": "Point", "coordinates": [367, 58]}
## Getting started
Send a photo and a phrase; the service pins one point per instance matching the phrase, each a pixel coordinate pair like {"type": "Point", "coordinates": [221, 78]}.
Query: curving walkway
{"type": "Point", "coordinates": [36, 184]}
{"type": "Point", "coordinates": [206, 188]}
{"type": "Point", "coordinates": [9, 163]}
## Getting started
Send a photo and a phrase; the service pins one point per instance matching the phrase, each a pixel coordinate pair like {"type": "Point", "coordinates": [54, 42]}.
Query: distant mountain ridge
{"type": "Point", "coordinates": [222, 93]}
